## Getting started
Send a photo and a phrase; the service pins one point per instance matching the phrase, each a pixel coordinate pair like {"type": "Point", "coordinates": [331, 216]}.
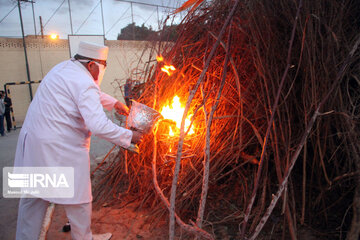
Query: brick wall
{"type": "Point", "coordinates": [126, 59]}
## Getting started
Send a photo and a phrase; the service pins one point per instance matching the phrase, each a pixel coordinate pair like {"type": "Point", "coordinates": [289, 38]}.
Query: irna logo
{"type": "Point", "coordinates": [34, 180]}
{"type": "Point", "coordinates": [38, 182]}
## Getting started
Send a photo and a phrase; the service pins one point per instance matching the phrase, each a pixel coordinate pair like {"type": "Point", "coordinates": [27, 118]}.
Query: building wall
{"type": "Point", "coordinates": [126, 59]}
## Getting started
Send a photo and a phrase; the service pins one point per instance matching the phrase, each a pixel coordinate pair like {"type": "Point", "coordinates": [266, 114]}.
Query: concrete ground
{"type": "Point", "coordinates": [8, 206]}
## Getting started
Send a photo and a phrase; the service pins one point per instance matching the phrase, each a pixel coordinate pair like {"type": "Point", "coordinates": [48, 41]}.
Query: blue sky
{"type": "Point", "coordinates": [86, 16]}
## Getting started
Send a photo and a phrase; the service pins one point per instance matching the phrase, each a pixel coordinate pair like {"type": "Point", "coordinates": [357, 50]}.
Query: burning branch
{"type": "Point", "coordinates": [182, 135]}
{"type": "Point", "coordinates": [190, 228]}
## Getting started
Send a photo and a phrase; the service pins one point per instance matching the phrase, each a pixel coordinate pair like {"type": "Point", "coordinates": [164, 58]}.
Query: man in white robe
{"type": "Point", "coordinates": [66, 110]}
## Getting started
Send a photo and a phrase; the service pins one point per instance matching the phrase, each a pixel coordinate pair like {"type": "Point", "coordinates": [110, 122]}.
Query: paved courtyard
{"type": "Point", "coordinates": [8, 207]}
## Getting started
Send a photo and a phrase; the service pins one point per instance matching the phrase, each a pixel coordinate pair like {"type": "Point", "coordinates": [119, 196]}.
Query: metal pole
{"type": "Point", "coordinates": [158, 18]}
{"type": "Point", "coordinates": [32, 5]}
{"type": "Point", "coordinates": [132, 13]}
{"type": "Point", "coordinates": [72, 32]}
{"type": "Point", "coordinates": [41, 27]}
{"type": "Point", "coordinates": [132, 21]}
{"type": "Point", "coordinates": [102, 16]}
{"type": "Point", "coordinates": [26, 58]}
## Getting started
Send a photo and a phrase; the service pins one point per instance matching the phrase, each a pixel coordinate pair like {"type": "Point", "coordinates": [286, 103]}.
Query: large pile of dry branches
{"type": "Point", "coordinates": [272, 88]}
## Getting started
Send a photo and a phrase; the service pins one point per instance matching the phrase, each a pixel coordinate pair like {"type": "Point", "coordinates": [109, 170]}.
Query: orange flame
{"type": "Point", "coordinates": [175, 112]}
{"type": "Point", "coordinates": [159, 58]}
{"type": "Point", "coordinates": [168, 69]}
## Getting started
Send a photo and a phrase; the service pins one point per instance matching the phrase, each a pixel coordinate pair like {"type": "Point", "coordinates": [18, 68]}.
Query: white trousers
{"type": "Point", "coordinates": [31, 215]}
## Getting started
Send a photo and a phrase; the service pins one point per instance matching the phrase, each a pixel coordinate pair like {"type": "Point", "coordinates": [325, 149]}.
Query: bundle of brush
{"type": "Point", "coordinates": [251, 76]}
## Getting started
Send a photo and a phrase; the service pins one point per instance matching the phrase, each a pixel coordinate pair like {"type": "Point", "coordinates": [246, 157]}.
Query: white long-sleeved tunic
{"type": "Point", "coordinates": [66, 109]}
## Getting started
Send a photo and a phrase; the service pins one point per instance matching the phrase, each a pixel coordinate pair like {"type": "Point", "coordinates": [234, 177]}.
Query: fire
{"type": "Point", "coordinates": [168, 68]}
{"type": "Point", "coordinates": [175, 112]}
{"type": "Point", "coordinates": [159, 58]}
{"type": "Point", "coordinates": [171, 133]}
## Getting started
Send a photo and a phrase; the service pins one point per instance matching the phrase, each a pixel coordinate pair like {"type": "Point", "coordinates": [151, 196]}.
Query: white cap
{"type": "Point", "coordinates": [92, 50]}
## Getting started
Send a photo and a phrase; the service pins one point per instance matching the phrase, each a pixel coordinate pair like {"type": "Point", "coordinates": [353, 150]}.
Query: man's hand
{"type": "Point", "coordinates": [121, 108]}
{"type": "Point", "coordinates": [137, 137]}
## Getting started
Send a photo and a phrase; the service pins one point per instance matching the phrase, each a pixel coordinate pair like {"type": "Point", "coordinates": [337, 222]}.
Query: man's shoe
{"type": "Point", "coordinates": [104, 236]}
